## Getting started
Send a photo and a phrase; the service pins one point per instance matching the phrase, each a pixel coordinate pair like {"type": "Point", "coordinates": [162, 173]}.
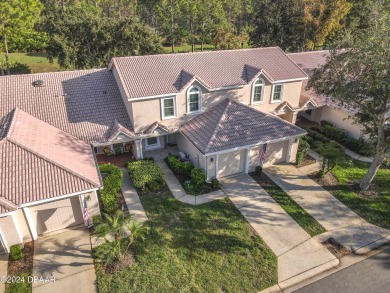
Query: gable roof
{"type": "Point", "coordinates": [144, 76]}
{"type": "Point", "coordinates": [83, 103]}
{"type": "Point", "coordinates": [39, 161]}
{"type": "Point", "coordinates": [230, 124]}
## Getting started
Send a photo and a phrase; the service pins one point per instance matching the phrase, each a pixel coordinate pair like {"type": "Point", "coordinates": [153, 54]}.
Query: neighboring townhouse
{"type": "Point", "coordinates": [323, 108]}
{"type": "Point", "coordinates": [220, 108]}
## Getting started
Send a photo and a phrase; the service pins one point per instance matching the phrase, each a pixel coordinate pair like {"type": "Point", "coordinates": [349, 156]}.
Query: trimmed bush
{"type": "Point", "coordinates": [333, 132]}
{"type": "Point", "coordinates": [214, 183]}
{"type": "Point", "coordinates": [178, 167]}
{"type": "Point", "coordinates": [303, 148]}
{"type": "Point", "coordinates": [146, 175]}
{"type": "Point", "coordinates": [258, 170]}
{"type": "Point", "coordinates": [16, 252]}
{"type": "Point", "coordinates": [198, 176]}
{"type": "Point", "coordinates": [112, 183]}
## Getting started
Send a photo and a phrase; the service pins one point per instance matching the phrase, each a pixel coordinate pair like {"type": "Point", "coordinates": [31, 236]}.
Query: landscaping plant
{"type": "Point", "coordinates": [333, 154]}
{"type": "Point", "coordinates": [112, 183]}
{"type": "Point", "coordinates": [118, 232]}
{"type": "Point", "coordinates": [303, 148]}
{"type": "Point", "coordinates": [16, 252]}
{"type": "Point", "coordinates": [146, 175]}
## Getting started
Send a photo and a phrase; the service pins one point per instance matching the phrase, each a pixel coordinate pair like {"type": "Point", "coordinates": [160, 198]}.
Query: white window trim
{"type": "Point", "coordinates": [253, 92]}
{"type": "Point", "coordinates": [281, 93]}
{"type": "Point", "coordinates": [153, 146]}
{"type": "Point", "coordinates": [163, 117]}
{"type": "Point", "coordinates": [188, 99]}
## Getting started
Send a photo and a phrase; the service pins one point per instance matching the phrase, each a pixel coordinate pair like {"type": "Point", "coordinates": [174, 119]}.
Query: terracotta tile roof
{"type": "Point", "coordinates": [83, 103]}
{"type": "Point", "coordinates": [39, 161]}
{"type": "Point", "coordinates": [6, 206]}
{"type": "Point", "coordinates": [230, 124]}
{"type": "Point", "coordinates": [152, 75]}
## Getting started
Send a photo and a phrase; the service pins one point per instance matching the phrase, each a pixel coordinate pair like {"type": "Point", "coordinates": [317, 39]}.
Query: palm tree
{"type": "Point", "coordinates": [118, 232]}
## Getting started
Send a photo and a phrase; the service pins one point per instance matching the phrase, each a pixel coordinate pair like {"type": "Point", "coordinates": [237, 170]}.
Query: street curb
{"type": "Point", "coordinates": [309, 274]}
{"type": "Point", "coordinates": [273, 289]}
{"type": "Point", "coordinates": [374, 245]}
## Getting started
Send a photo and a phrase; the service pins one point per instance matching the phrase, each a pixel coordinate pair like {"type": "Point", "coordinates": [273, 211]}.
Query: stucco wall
{"type": "Point", "coordinates": [195, 156]}
{"type": "Point", "coordinates": [276, 153]}
{"type": "Point", "coordinates": [23, 226]}
{"type": "Point", "coordinates": [93, 204]}
{"type": "Point", "coordinates": [8, 231]}
{"type": "Point", "coordinates": [145, 112]}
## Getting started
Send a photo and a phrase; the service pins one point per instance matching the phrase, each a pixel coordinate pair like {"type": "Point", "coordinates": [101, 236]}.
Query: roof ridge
{"type": "Point", "coordinates": [8, 203]}
{"type": "Point", "coordinates": [295, 64]}
{"type": "Point", "coordinates": [51, 161]}
{"type": "Point", "coordinates": [201, 52]}
{"type": "Point", "coordinates": [54, 72]}
{"type": "Point", "coordinates": [8, 123]}
{"type": "Point", "coordinates": [307, 52]}
{"type": "Point", "coordinates": [223, 115]}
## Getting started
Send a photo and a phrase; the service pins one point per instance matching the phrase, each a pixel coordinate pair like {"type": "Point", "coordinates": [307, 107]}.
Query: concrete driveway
{"type": "Point", "coordinates": [67, 257]}
{"type": "Point", "coordinates": [299, 256]}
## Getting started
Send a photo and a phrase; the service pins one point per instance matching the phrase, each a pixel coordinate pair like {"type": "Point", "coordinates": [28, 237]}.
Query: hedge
{"type": "Point", "coordinates": [303, 148]}
{"type": "Point", "coordinates": [146, 175]}
{"type": "Point", "coordinates": [178, 167]}
{"type": "Point", "coordinates": [112, 183]}
{"type": "Point", "coordinates": [16, 252]}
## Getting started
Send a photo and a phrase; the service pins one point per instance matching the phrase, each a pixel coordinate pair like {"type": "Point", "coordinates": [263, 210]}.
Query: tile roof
{"type": "Point", "coordinates": [230, 124]}
{"type": "Point", "coordinates": [83, 103]}
{"type": "Point", "coordinates": [153, 75]}
{"type": "Point", "coordinates": [39, 161]}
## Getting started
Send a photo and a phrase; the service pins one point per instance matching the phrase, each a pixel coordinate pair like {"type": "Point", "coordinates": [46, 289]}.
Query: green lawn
{"type": "Point", "coordinates": [374, 209]}
{"type": "Point", "coordinates": [36, 61]}
{"type": "Point", "coordinates": [306, 221]}
{"type": "Point", "coordinates": [209, 248]}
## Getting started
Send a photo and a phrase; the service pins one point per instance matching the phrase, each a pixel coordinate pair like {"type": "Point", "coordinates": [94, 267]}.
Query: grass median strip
{"type": "Point", "coordinates": [306, 221]}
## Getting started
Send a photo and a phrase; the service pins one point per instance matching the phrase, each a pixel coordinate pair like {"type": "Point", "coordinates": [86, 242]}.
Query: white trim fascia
{"type": "Point", "coordinates": [273, 91]}
{"type": "Point", "coordinates": [8, 214]}
{"type": "Point", "coordinates": [17, 229]}
{"type": "Point", "coordinates": [230, 87]}
{"type": "Point", "coordinates": [290, 80]}
{"type": "Point", "coordinates": [174, 108]}
{"type": "Point", "coordinates": [199, 102]}
{"type": "Point", "coordinates": [256, 144]}
{"type": "Point", "coordinates": [152, 97]}
{"type": "Point", "coordinates": [33, 203]}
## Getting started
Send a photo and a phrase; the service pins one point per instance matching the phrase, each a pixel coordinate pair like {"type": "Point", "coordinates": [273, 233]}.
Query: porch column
{"type": "Point", "coordinates": [294, 117]}
{"type": "Point", "coordinates": [289, 148]}
{"type": "Point", "coordinates": [17, 228]}
{"type": "Point", "coordinates": [247, 152]}
{"type": "Point", "coordinates": [138, 144]}
{"type": "Point", "coordinates": [30, 222]}
{"type": "Point", "coordinates": [216, 165]}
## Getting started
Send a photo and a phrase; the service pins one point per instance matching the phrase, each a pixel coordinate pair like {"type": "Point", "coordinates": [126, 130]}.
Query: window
{"type": "Point", "coordinates": [277, 93]}
{"type": "Point", "coordinates": [194, 98]}
{"type": "Point", "coordinates": [308, 112]}
{"type": "Point", "coordinates": [168, 107]}
{"type": "Point", "coordinates": [257, 91]}
{"type": "Point", "coordinates": [152, 142]}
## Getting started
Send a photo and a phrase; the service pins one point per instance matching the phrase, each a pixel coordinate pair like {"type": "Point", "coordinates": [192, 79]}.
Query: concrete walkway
{"type": "Point", "coordinates": [358, 157]}
{"type": "Point", "coordinates": [313, 168]}
{"type": "Point", "coordinates": [132, 199]}
{"type": "Point", "coordinates": [67, 257]}
{"type": "Point", "coordinates": [180, 194]}
{"type": "Point", "coordinates": [299, 256]}
{"type": "Point", "coordinates": [345, 226]}
{"type": "Point", "coordinates": [3, 269]}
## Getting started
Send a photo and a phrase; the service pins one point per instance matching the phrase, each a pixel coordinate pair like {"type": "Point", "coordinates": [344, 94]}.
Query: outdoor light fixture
{"type": "Point", "coordinates": [212, 160]}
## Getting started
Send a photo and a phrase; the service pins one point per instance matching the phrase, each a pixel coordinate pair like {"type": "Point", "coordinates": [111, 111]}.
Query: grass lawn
{"type": "Point", "coordinates": [208, 248]}
{"type": "Point", "coordinates": [375, 208]}
{"type": "Point", "coordinates": [36, 61]}
{"type": "Point", "coordinates": [306, 221]}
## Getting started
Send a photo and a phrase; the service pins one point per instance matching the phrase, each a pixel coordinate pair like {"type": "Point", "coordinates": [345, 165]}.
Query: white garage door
{"type": "Point", "coordinates": [57, 214]}
{"type": "Point", "coordinates": [231, 163]}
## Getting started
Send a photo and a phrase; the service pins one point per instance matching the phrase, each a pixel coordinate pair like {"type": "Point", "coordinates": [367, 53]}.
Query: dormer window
{"type": "Point", "coordinates": [194, 99]}
{"type": "Point", "coordinates": [277, 93]}
{"type": "Point", "coordinates": [257, 91]}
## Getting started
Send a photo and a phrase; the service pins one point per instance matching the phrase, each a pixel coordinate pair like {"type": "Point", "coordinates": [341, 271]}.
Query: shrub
{"type": "Point", "coordinates": [111, 186]}
{"type": "Point", "coordinates": [97, 220]}
{"type": "Point", "coordinates": [300, 157]}
{"type": "Point", "coordinates": [333, 132]}
{"type": "Point", "coordinates": [146, 175]}
{"type": "Point", "coordinates": [214, 183]}
{"type": "Point", "coordinates": [198, 176]}
{"type": "Point", "coordinates": [324, 123]}
{"type": "Point", "coordinates": [178, 167]}
{"type": "Point", "coordinates": [16, 252]}
{"type": "Point", "coordinates": [258, 170]}
{"type": "Point", "coordinates": [386, 163]}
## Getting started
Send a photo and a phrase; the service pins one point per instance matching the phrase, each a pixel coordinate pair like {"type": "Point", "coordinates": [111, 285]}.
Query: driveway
{"type": "Point", "coordinates": [67, 257]}
{"type": "Point", "coordinates": [341, 223]}
{"type": "Point", "coordinates": [297, 253]}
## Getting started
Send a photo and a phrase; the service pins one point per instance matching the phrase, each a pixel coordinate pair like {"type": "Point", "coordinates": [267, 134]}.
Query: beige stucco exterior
{"type": "Point", "coordinates": [195, 156]}
{"type": "Point", "coordinates": [336, 116]}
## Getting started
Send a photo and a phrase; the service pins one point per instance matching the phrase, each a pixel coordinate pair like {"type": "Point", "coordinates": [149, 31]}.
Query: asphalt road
{"type": "Point", "coordinates": [371, 275]}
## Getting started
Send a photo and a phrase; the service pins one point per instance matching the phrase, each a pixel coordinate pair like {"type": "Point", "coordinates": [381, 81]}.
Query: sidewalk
{"type": "Point", "coordinates": [346, 227]}
{"type": "Point", "coordinates": [180, 194]}
{"type": "Point", "coordinates": [299, 256]}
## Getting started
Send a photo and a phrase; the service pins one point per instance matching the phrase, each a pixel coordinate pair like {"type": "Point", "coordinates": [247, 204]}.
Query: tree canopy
{"type": "Point", "coordinates": [357, 76]}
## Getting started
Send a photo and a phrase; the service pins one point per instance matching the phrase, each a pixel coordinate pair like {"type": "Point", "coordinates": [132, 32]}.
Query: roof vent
{"type": "Point", "coordinates": [39, 83]}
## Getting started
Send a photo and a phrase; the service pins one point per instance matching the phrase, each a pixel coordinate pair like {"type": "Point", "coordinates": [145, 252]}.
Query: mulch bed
{"type": "Point", "coordinates": [24, 266]}
{"type": "Point", "coordinates": [118, 266]}
{"type": "Point", "coordinates": [328, 181]}
{"type": "Point", "coordinates": [307, 160]}
{"type": "Point", "coordinates": [373, 192]}
{"type": "Point", "coordinates": [336, 248]}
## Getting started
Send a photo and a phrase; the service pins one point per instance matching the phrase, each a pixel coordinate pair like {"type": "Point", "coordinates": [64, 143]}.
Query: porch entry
{"type": "Point", "coordinates": [231, 163]}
